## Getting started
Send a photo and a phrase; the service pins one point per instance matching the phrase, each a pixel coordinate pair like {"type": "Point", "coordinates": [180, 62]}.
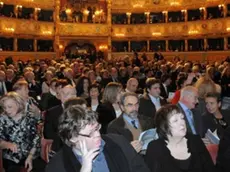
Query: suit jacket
{"type": "Point", "coordinates": [106, 114]}
{"type": "Point", "coordinates": [48, 101]}
{"type": "Point", "coordinates": [164, 93]}
{"type": "Point", "coordinates": [159, 158]}
{"type": "Point", "coordinates": [147, 108]}
{"type": "Point", "coordinates": [119, 155]}
{"type": "Point", "coordinates": [223, 157]}
{"type": "Point", "coordinates": [51, 126]}
{"type": "Point", "coordinates": [197, 121]}
{"type": "Point", "coordinates": [118, 126]}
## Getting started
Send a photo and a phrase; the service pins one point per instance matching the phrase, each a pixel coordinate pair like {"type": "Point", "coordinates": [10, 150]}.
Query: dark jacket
{"type": "Point", "coordinates": [48, 101]}
{"type": "Point", "coordinates": [106, 114]}
{"type": "Point", "coordinates": [159, 158]}
{"type": "Point", "coordinates": [51, 126]}
{"type": "Point", "coordinates": [117, 126]}
{"type": "Point", "coordinates": [210, 123]}
{"type": "Point", "coordinates": [197, 121]}
{"type": "Point", "coordinates": [119, 155]}
{"type": "Point", "coordinates": [147, 108]}
{"type": "Point", "coordinates": [223, 157]}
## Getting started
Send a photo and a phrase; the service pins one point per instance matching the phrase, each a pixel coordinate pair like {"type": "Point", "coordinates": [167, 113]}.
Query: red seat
{"type": "Point", "coordinates": [46, 148]}
{"type": "Point", "coordinates": [213, 150]}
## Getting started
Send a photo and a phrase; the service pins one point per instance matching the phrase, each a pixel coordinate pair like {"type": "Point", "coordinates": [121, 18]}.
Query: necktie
{"type": "Point", "coordinates": [191, 121]}
{"type": "Point", "coordinates": [134, 124]}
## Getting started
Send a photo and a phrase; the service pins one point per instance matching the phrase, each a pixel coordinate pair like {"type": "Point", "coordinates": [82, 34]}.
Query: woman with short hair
{"type": "Point", "coordinates": [19, 137]}
{"type": "Point", "coordinates": [175, 151]}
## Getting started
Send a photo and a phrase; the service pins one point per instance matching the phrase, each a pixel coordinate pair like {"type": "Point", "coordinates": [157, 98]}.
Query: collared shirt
{"type": "Point", "coordinates": [129, 120]}
{"type": "Point", "coordinates": [99, 163]}
{"type": "Point", "coordinates": [155, 101]}
{"type": "Point", "coordinates": [189, 117]}
{"type": "Point", "coordinates": [165, 87]}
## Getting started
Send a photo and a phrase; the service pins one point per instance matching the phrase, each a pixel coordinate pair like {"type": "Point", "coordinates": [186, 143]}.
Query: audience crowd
{"type": "Point", "coordinates": [98, 113]}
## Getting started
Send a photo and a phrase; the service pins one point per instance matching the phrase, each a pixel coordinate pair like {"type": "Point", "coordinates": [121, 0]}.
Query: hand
{"type": "Point", "coordinates": [87, 157]}
{"type": "Point", "coordinates": [137, 145]}
{"type": "Point", "coordinates": [12, 146]}
{"type": "Point", "coordinates": [28, 163]}
{"type": "Point", "coordinates": [35, 110]}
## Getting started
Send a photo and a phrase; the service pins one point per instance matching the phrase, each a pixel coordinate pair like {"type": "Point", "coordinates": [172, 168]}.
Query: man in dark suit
{"type": "Point", "coordinates": [65, 91]}
{"type": "Point", "coordinates": [151, 100]}
{"type": "Point", "coordinates": [86, 150]}
{"type": "Point", "coordinates": [165, 82]}
{"type": "Point", "coordinates": [49, 100]}
{"type": "Point", "coordinates": [10, 79]}
{"type": "Point", "coordinates": [34, 86]}
{"type": "Point", "coordinates": [3, 89]}
{"type": "Point", "coordinates": [188, 101]}
{"type": "Point", "coordinates": [130, 124]}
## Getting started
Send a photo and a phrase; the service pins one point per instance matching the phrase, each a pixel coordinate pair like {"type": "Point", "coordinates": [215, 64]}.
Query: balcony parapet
{"type": "Point", "coordinates": [43, 4]}
{"type": "Point", "coordinates": [17, 27]}
{"type": "Point", "coordinates": [193, 29]}
{"type": "Point", "coordinates": [83, 29]}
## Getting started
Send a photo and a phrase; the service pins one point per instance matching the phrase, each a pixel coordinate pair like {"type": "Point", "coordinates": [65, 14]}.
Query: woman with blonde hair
{"type": "Point", "coordinates": [19, 137]}
{"type": "Point", "coordinates": [109, 109]}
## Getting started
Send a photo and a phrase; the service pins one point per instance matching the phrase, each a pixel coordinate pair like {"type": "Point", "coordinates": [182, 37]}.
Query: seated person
{"type": "Point", "coordinates": [215, 118]}
{"type": "Point", "coordinates": [19, 137]}
{"type": "Point", "coordinates": [223, 157]}
{"type": "Point", "coordinates": [85, 150]}
{"type": "Point", "coordinates": [175, 151]}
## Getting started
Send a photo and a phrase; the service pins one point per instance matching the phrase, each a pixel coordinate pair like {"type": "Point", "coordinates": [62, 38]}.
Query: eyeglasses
{"type": "Point", "coordinates": [91, 134]}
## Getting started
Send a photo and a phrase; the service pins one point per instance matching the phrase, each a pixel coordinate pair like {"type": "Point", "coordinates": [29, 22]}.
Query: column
{"type": "Point", "coordinates": [225, 8]}
{"type": "Point", "coordinates": [185, 15]}
{"type": "Point", "coordinates": [147, 17]}
{"type": "Point", "coordinates": [148, 45]}
{"type": "Point", "coordinates": [186, 45]}
{"type": "Point", "coordinates": [36, 12]}
{"type": "Point", "coordinates": [167, 46]}
{"type": "Point", "coordinates": [56, 26]}
{"type": "Point", "coordinates": [205, 43]}
{"type": "Point", "coordinates": [15, 44]}
{"type": "Point", "coordinates": [129, 46]}
{"type": "Point", "coordinates": [109, 22]}
{"type": "Point", "coordinates": [129, 17]}
{"type": "Point", "coordinates": [16, 11]}
{"type": "Point", "coordinates": [165, 13]}
{"type": "Point", "coordinates": [225, 43]}
{"type": "Point", "coordinates": [35, 45]}
{"type": "Point", "coordinates": [205, 13]}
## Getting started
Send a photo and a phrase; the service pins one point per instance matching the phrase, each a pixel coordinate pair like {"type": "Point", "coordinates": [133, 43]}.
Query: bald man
{"type": "Point", "coordinates": [132, 85]}
{"type": "Point", "coordinates": [187, 103]}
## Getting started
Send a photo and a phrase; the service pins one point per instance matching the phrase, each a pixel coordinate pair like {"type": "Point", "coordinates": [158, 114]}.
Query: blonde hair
{"type": "Point", "coordinates": [204, 86]}
{"type": "Point", "coordinates": [111, 91]}
{"type": "Point", "coordinates": [16, 98]}
{"type": "Point", "coordinates": [19, 84]}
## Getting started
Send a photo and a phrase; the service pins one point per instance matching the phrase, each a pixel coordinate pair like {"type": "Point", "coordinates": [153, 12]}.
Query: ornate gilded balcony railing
{"type": "Point", "coordinates": [193, 29]}
{"type": "Point", "coordinates": [77, 29]}
{"type": "Point", "coordinates": [44, 4]}
{"type": "Point", "coordinates": [162, 5]}
{"type": "Point", "coordinates": [12, 26]}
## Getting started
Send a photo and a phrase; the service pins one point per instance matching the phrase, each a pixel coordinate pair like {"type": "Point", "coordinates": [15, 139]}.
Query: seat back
{"type": "Point", "coordinates": [1, 164]}
{"type": "Point", "coordinates": [46, 148]}
{"type": "Point", "coordinates": [213, 150]}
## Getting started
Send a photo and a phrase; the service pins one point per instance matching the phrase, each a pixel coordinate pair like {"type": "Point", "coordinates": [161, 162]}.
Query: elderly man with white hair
{"type": "Point", "coordinates": [188, 101]}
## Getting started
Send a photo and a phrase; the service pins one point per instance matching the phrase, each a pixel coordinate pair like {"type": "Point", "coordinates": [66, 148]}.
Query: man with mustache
{"type": "Point", "coordinates": [130, 124]}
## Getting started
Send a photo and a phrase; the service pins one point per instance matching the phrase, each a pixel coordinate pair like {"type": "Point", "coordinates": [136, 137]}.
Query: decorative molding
{"type": "Point", "coordinates": [43, 4]}
{"type": "Point", "coordinates": [12, 26]}
{"type": "Point", "coordinates": [182, 30]}
{"type": "Point", "coordinates": [161, 5]}
{"type": "Point", "coordinates": [72, 29]}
